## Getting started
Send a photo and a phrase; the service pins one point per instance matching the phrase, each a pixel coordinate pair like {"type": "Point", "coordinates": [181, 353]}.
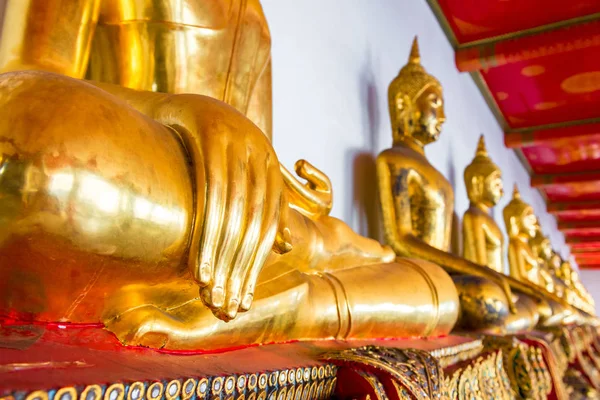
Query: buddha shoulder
{"type": "Point", "coordinates": [399, 160]}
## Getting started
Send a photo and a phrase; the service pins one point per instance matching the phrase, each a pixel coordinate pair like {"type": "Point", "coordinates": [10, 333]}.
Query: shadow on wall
{"type": "Point", "coordinates": [364, 215]}
{"type": "Point", "coordinates": [456, 231]}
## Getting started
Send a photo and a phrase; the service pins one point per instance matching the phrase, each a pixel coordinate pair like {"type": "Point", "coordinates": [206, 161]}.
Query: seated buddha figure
{"type": "Point", "coordinates": [524, 263]}
{"type": "Point", "coordinates": [564, 273]}
{"type": "Point", "coordinates": [579, 289]}
{"type": "Point", "coordinates": [417, 201]}
{"type": "Point", "coordinates": [482, 237]}
{"type": "Point", "coordinates": [553, 267]}
{"type": "Point", "coordinates": [542, 248]}
{"type": "Point", "coordinates": [154, 213]}
{"type": "Point", "coordinates": [521, 224]}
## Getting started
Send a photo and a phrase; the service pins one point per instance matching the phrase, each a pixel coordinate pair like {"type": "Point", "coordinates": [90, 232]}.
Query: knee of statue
{"type": "Point", "coordinates": [483, 304]}
{"type": "Point", "coordinates": [552, 313]}
{"type": "Point", "coordinates": [78, 193]}
{"type": "Point", "coordinates": [526, 315]}
{"type": "Point", "coordinates": [407, 298]}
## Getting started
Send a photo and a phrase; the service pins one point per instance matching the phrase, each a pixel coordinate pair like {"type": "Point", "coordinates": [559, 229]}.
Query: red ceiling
{"type": "Point", "coordinates": [481, 19]}
{"type": "Point", "coordinates": [538, 64]}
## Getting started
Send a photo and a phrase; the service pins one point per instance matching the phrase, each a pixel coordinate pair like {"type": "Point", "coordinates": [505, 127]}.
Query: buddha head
{"type": "Point", "coordinates": [483, 178]}
{"type": "Point", "coordinates": [541, 244]}
{"type": "Point", "coordinates": [416, 102]}
{"type": "Point", "coordinates": [519, 217]}
{"type": "Point", "coordinates": [555, 262]}
{"type": "Point", "coordinates": [564, 273]}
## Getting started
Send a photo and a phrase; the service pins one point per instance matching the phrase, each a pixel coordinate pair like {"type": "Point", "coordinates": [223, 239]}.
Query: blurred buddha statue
{"type": "Point", "coordinates": [564, 274]}
{"type": "Point", "coordinates": [417, 201]}
{"type": "Point", "coordinates": [579, 289]}
{"type": "Point", "coordinates": [521, 224]}
{"type": "Point", "coordinates": [152, 213]}
{"type": "Point", "coordinates": [553, 267]}
{"type": "Point", "coordinates": [482, 237]}
{"type": "Point", "coordinates": [524, 260]}
{"type": "Point", "coordinates": [542, 248]}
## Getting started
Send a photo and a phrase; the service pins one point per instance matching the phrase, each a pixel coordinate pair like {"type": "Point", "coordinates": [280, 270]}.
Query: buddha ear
{"type": "Point", "coordinates": [477, 186]}
{"type": "Point", "coordinates": [404, 109]}
{"type": "Point", "coordinates": [514, 226]}
{"type": "Point", "coordinates": [401, 103]}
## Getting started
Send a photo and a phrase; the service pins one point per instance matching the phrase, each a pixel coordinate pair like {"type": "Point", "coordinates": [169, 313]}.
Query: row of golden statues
{"type": "Point", "coordinates": [149, 198]}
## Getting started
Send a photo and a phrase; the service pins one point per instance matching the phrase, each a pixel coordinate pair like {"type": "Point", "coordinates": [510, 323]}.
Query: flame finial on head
{"type": "Point", "coordinates": [516, 193]}
{"type": "Point", "coordinates": [414, 57]}
{"type": "Point", "coordinates": [481, 150]}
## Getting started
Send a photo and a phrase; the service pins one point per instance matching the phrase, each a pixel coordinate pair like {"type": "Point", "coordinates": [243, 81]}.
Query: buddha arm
{"type": "Point", "coordinates": [396, 210]}
{"type": "Point", "coordinates": [238, 191]}
{"type": "Point", "coordinates": [260, 110]}
{"type": "Point", "coordinates": [50, 35]}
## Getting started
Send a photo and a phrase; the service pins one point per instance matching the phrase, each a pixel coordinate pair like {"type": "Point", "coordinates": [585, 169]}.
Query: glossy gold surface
{"type": "Point", "coordinates": [521, 225]}
{"type": "Point", "coordinates": [417, 202]}
{"type": "Point", "coordinates": [482, 237]}
{"type": "Point", "coordinates": [217, 48]}
{"type": "Point", "coordinates": [541, 247]}
{"type": "Point", "coordinates": [532, 260]}
{"type": "Point", "coordinates": [151, 212]}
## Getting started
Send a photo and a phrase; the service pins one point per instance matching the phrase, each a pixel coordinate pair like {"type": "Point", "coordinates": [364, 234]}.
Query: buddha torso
{"type": "Point", "coordinates": [523, 261]}
{"type": "Point", "coordinates": [217, 48]}
{"type": "Point", "coordinates": [429, 194]}
{"type": "Point", "coordinates": [492, 237]}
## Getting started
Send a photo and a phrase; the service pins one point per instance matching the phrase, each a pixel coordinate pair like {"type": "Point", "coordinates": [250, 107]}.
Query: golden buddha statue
{"type": "Point", "coordinates": [483, 240]}
{"type": "Point", "coordinates": [524, 262]}
{"type": "Point", "coordinates": [553, 267]}
{"type": "Point", "coordinates": [542, 248]}
{"type": "Point", "coordinates": [152, 213]}
{"type": "Point", "coordinates": [417, 201]}
{"type": "Point", "coordinates": [564, 273]}
{"type": "Point", "coordinates": [521, 224]}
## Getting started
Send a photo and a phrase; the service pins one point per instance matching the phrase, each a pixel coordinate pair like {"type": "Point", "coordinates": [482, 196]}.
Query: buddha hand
{"type": "Point", "coordinates": [239, 222]}
{"type": "Point", "coordinates": [238, 192]}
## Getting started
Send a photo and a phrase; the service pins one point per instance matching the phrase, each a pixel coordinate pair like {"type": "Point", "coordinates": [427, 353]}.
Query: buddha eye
{"type": "Point", "coordinates": [436, 101]}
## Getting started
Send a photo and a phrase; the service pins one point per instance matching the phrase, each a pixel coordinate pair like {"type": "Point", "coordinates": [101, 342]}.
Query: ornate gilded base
{"type": "Point", "coordinates": [87, 363]}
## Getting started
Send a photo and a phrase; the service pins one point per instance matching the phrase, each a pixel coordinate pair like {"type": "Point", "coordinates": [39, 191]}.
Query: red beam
{"type": "Point", "coordinates": [547, 136]}
{"type": "Point", "coordinates": [586, 240]}
{"type": "Point", "coordinates": [587, 258]}
{"type": "Point", "coordinates": [578, 225]}
{"type": "Point", "coordinates": [541, 181]}
{"type": "Point", "coordinates": [584, 206]}
{"type": "Point", "coordinates": [575, 211]}
{"type": "Point", "coordinates": [588, 266]}
{"type": "Point", "coordinates": [502, 52]}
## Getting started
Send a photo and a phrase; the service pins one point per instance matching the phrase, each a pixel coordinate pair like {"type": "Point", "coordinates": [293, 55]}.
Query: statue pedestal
{"type": "Point", "coordinates": [86, 362]}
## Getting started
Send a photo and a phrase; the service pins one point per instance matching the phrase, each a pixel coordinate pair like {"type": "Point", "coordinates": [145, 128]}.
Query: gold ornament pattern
{"type": "Point", "coordinates": [314, 383]}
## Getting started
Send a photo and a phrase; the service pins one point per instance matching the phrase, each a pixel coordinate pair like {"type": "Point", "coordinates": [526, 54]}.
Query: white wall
{"type": "Point", "coordinates": [332, 63]}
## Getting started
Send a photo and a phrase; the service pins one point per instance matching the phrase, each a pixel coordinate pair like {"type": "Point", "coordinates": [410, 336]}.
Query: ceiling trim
{"type": "Point", "coordinates": [439, 15]}
{"type": "Point", "coordinates": [531, 31]}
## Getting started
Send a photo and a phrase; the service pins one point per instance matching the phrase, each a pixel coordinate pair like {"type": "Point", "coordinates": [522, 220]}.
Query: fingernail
{"type": "Point", "coordinates": [232, 308]}
{"type": "Point", "coordinates": [247, 302]}
{"type": "Point", "coordinates": [205, 295]}
{"type": "Point", "coordinates": [218, 296]}
{"type": "Point", "coordinates": [205, 272]}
